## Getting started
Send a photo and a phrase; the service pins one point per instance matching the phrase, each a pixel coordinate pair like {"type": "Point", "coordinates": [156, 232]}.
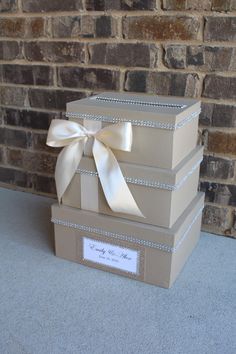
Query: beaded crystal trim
{"type": "Point", "coordinates": [129, 238]}
{"type": "Point", "coordinates": [147, 183]}
{"type": "Point", "coordinates": [141, 103]}
{"type": "Point", "coordinates": [135, 122]}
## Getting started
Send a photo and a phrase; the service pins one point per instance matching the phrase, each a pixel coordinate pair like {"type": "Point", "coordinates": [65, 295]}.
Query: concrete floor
{"type": "Point", "coordinates": [52, 306]}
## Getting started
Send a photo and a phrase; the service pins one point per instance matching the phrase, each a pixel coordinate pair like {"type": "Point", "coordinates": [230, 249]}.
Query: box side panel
{"type": "Point", "coordinates": [70, 246]}
{"type": "Point", "coordinates": [185, 249]}
{"type": "Point", "coordinates": [184, 141]}
{"type": "Point", "coordinates": [153, 265]}
{"type": "Point", "coordinates": [72, 195]}
{"type": "Point", "coordinates": [65, 242]}
{"type": "Point", "coordinates": [183, 196]}
{"type": "Point", "coordinates": [157, 267]}
{"type": "Point", "coordinates": [155, 204]}
{"type": "Point", "coordinates": [160, 207]}
{"type": "Point", "coordinates": [151, 147]}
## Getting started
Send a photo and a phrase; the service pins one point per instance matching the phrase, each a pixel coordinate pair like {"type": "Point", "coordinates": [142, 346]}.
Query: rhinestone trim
{"type": "Point", "coordinates": [129, 238]}
{"type": "Point", "coordinates": [147, 183]}
{"type": "Point", "coordinates": [135, 122]}
{"type": "Point", "coordinates": [141, 103]}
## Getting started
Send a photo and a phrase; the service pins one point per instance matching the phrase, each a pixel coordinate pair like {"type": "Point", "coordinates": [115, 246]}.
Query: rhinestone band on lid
{"type": "Point", "coordinates": [147, 183]}
{"type": "Point", "coordinates": [129, 238]}
{"type": "Point", "coordinates": [135, 122]}
{"type": "Point", "coordinates": [141, 103]}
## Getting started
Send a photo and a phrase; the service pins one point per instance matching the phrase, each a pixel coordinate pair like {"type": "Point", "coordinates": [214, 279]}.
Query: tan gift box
{"type": "Point", "coordinates": [161, 195]}
{"type": "Point", "coordinates": [148, 253]}
{"type": "Point", "coordinates": [164, 128]}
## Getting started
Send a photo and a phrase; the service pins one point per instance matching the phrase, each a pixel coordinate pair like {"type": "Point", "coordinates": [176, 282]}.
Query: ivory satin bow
{"type": "Point", "coordinates": [73, 137]}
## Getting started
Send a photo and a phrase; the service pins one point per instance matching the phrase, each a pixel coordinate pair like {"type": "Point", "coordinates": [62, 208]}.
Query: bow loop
{"type": "Point", "coordinates": [117, 136]}
{"type": "Point", "coordinates": [73, 137]}
{"type": "Point", "coordinates": [61, 133]}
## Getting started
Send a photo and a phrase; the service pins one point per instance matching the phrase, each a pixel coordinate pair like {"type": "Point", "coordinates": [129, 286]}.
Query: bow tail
{"type": "Point", "coordinates": [67, 163]}
{"type": "Point", "coordinates": [115, 188]}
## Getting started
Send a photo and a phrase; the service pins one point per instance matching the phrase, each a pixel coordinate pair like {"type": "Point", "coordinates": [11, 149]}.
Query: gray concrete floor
{"type": "Point", "coordinates": [52, 306]}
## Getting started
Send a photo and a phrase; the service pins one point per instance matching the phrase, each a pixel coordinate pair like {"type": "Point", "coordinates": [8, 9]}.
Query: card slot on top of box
{"type": "Point", "coordinates": [161, 194]}
{"type": "Point", "coordinates": [164, 128]}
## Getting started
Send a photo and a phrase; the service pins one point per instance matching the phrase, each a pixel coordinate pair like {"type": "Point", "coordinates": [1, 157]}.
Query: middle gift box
{"type": "Point", "coordinates": [161, 194]}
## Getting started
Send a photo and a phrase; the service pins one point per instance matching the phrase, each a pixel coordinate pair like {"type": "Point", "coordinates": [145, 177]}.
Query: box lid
{"type": "Point", "coordinates": [169, 179]}
{"type": "Point", "coordinates": [141, 110]}
{"type": "Point", "coordinates": [168, 240]}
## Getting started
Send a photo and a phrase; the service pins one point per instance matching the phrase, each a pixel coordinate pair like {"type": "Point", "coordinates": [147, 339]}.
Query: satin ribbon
{"type": "Point", "coordinates": [73, 137]}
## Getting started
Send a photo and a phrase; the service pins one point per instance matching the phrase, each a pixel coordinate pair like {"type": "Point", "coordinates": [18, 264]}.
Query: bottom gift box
{"type": "Point", "coordinates": [143, 252]}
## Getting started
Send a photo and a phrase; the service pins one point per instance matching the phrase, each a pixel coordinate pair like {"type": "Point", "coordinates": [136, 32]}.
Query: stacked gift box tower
{"type": "Point", "coordinates": [131, 206]}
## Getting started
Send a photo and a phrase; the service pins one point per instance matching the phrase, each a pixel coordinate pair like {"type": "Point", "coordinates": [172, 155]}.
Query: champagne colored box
{"type": "Point", "coordinates": [161, 195]}
{"type": "Point", "coordinates": [143, 252]}
{"type": "Point", "coordinates": [164, 128]}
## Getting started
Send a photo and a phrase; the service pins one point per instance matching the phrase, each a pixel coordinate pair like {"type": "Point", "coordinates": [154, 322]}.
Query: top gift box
{"type": "Point", "coordinates": [164, 128]}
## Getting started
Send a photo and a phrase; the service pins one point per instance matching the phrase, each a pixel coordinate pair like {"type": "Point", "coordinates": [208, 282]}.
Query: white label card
{"type": "Point", "coordinates": [110, 255]}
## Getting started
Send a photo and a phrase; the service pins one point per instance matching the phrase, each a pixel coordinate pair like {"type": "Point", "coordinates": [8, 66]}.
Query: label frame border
{"type": "Point", "coordinates": [120, 243]}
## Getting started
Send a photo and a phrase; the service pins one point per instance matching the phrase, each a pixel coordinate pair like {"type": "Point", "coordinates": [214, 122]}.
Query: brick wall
{"type": "Point", "coordinates": [54, 51]}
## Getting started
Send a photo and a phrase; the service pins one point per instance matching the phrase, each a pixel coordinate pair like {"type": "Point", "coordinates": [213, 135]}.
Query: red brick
{"type": "Point", "coordinates": [13, 95]}
{"type": "Point", "coordinates": [12, 27]}
{"type": "Point", "coordinates": [66, 26]}
{"type": "Point", "coordinates": [200, 5]}
{"type": "Point", "coordinates": [14, 157]}
{"type": "Point", "coordinates": [161, 27]}
{"type": "Point", "coordinates": [218, 193]}
{"type": "Point", "coordinates": [218, 115]}
{"type": "Point", "coordinates": [186, 5]}
{"type": "Point", "coordinates": [44, 184]}
{"type": "Point", "coordinates": [217, 167]}
{"type": "Point", "coordinates": [204, 58]}
{"type": "Point", "coordinates": [58, 52]}
{"type": "Point", "coordinates": [8, 6]}
{"type": "Point", "coordinates": [32, 161]}
{"type": "Point", "coordinates": [17, 178]}
{"type": "Point", "coordinates": [39, 143]}
{"type": "Point", "coordinates": [223, 5]}
{"type": "Point", "coordinates": [10, 50]}
{"type": "Point", "coordinates": [12, 137]}
{"type": "Point", "coordinates": [217, 218]}
{"type": "Point", "coordinates": [26, 74]}
{"type": "Point", "coordinates": [52, 99]}
{"type": "Point", "coordinates": [84, 26]}
{"type": "Point", "coordinates": [175, 56]}
{"type": "Point", "coordinates": [220, 29]}
{"type": "Point", "coordinates": [217, 86]}
{"type": "Point", "coordinates": [1, 153]}
{"type": "Point", "coordinates": [222, 142]}
{"type": "Point", "coordinates": [51, 5]}
{"type": "Point", "coordinates": [88, 78]}
{"type": "Point", "coordinates": [125, 5]}
{"type": "Point", "coordinates": [162, 83]}
{"type": "Point", "coordinates": [28, 119]}
{"type": "Point", "coordinates": [124, 54]}
{"type": "Point", "coordinates": [20, 27]}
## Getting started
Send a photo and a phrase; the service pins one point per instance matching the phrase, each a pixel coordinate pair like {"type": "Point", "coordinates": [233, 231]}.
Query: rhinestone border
{"type": "Point", "coordinates": [141, 103]}
{"type": "Point", "coordinates": [129, 238]}
{"type": "Point", "coordinates": [135, 122]}
{"type": "Point", "coordinates": [148, 183]}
